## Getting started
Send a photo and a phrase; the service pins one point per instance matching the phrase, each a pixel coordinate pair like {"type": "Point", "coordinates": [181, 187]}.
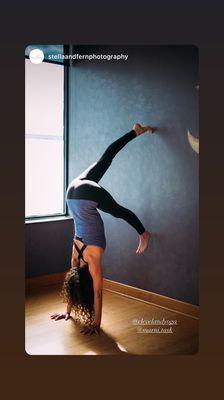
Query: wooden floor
{"type": "Point", "coordinates": [119, 335]}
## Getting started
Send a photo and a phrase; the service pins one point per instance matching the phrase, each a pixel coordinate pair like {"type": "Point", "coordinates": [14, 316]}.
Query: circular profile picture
{"type": "Point", "coordinates": [36, 56]}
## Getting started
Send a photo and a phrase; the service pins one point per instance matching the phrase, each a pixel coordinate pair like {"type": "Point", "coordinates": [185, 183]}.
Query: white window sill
{"type": "Point", "coordinates": [47, 219]}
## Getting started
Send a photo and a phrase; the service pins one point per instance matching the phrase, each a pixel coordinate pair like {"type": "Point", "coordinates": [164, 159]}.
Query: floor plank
{"type": "Point", "coordinates": [119, 334]}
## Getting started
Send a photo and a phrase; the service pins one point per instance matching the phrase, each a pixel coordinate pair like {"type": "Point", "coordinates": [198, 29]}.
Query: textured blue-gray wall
{"type": "Point", "coordinates": [155, 176]}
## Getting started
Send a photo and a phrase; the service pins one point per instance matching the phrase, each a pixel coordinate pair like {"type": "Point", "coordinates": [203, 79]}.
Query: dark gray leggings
{"type": "Point", "coordinates": [83, 186]}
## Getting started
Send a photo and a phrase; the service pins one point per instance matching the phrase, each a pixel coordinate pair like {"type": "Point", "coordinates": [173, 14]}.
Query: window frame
{"type": "Point", "coordinates": [56, 216]}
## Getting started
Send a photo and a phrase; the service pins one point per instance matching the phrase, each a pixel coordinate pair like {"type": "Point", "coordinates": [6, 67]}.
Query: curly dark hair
{"type": "Point", "coordinates": [78, 290]}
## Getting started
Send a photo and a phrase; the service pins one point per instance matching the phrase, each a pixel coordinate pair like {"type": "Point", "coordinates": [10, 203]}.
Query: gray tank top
{"type": "Point", "coordinates": [88, 223]}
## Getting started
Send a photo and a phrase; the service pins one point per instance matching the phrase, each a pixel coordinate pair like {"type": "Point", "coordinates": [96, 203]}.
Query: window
{"type": "Point", "coordinates": [44, 139]}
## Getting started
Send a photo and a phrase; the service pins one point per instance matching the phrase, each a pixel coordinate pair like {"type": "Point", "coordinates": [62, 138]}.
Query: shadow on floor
{"type": "Point", "coordinates": [100, 344]}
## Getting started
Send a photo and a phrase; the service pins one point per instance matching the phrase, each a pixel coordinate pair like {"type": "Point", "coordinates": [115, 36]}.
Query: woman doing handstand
{"type": "Point", "coordinates": [82, 287]}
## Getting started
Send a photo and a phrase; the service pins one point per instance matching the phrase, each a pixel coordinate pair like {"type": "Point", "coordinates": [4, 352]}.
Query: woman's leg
{"type": "Point", "coordinates": [109, 205]}
{"type": "Point", "coordinates": [98, 169]}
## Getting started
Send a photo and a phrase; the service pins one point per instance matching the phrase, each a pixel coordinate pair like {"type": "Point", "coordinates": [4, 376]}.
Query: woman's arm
{"type": "Point", "coordinates": [98, 299]}
{"type": "Point", "coordinates": [94, 262]}
{"type": "Point", "coordinates": [96, 273]}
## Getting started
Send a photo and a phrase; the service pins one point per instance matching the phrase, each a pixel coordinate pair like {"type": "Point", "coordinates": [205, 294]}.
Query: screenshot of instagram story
{"type": "Point", "coordinates": [111, 199]}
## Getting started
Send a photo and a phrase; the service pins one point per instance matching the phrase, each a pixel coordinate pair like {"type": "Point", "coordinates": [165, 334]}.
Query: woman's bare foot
{"type": "Point", "coordinates": [143, 242]}
{"type": "Point", "coordinates": [139, 130]}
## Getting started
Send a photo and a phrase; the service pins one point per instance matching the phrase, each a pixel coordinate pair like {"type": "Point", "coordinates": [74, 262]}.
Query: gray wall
{"type": "Point", "coordinates": [155, 176]}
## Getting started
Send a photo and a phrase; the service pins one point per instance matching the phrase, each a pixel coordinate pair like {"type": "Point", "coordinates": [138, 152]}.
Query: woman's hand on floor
{"type": "Point", "coordinates": [90, 329]}
{"type": "Point", "coordinates": [57, 316]}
